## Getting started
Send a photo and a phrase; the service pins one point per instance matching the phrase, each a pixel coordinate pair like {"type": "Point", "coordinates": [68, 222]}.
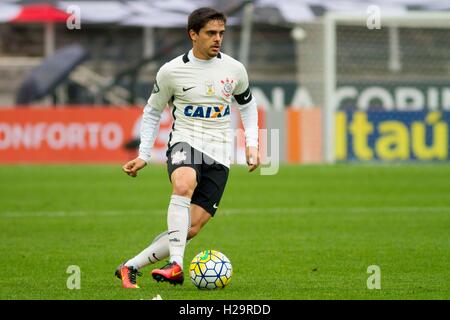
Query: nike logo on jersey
{"type": "Point", "coordinates": [186, 89]}
{"type": "Point", "coordinates": [215, 206]}
{"type": "Point", "coordinates": [207, 111]}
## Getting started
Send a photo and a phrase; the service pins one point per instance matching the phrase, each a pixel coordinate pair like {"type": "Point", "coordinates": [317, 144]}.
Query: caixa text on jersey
{"type": "Point", "coordinates": [207, 111]}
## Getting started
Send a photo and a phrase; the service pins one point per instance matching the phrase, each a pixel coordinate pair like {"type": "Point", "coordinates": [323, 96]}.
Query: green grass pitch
{"type": "Point", "coordinates": [309, 232]}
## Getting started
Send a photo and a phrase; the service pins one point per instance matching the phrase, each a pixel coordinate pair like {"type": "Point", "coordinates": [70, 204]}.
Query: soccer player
{"type": "Point", "coordinates": [199, 85]}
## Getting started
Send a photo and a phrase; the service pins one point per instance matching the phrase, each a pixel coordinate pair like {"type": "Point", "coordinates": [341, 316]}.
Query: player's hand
{"type": "Point", "coordinates": [252, 155]}
{"type": "Point", "coordinates": [131, 167]}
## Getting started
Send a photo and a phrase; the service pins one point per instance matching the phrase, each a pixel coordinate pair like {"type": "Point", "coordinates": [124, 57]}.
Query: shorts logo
{"type": "Point", "coordinates": [207, 111]}
{"type": "Point", "coordinates": [178, 157]}
{"type": "Point", "coordinates": [227, 87]}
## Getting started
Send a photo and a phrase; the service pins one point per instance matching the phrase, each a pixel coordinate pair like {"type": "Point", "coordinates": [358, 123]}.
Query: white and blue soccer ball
{"type": "Point", "coordinates": [210, 269]}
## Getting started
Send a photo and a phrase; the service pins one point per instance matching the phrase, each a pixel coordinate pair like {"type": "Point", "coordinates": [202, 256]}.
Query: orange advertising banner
{"type": "Point", "coordinates": [91, 134]}
{"type": "Point", "coordinates": [67, 135]}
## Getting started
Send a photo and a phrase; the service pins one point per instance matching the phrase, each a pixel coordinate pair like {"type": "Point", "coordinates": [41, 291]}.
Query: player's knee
{"type": "Point", "coordinates": [183, 188]}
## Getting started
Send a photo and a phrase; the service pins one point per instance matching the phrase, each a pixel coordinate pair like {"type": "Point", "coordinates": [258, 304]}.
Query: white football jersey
{"type": "Point", "coordinates": [201, 94]}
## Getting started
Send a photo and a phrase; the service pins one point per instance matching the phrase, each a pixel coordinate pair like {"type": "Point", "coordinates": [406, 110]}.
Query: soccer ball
{"type": "Point", "coordinates": [210, 269]}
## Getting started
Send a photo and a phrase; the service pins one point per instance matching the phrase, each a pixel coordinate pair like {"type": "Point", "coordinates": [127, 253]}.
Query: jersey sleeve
{"type": "Point", "coordinates": [149, 130]}
{"type": "Point", "coordinates": [247, 107]}
{"type": "Point", "coordinates": [160, 96]}
{"type": "Point", "coordinates": [242, 83]}
{"type": "Point", "coordinates": [162, 90]}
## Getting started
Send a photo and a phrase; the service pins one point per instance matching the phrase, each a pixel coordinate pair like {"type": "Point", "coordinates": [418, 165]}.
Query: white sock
{"type": "Point", "coordinates": [178, 223]}
{"type": "Point", "coordinates": [158, 250]}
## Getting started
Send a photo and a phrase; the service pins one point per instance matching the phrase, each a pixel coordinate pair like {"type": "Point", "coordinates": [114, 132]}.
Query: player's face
{"type": "Point", "coordinates": [208, 40]}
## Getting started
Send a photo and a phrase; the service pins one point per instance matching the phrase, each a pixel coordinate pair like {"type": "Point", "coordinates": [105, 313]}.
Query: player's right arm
{"type": "Point", "coordinates": [161, 94]}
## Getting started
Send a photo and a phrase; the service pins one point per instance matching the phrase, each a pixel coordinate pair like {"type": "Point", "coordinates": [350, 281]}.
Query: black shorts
{"type": "Point", "coordinates": [212, 176]}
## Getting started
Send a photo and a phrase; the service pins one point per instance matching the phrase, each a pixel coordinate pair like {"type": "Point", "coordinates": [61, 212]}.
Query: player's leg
{"type": "Point", "coordinates": [159, 248]}
{"type": "Point", "coordinates": [173, 271]}
{"type": "Point", "coordinates": [184, 181]}
{"type": "Point", "coordinates": [199, 218]}
{"type": "Point", "coordinates": [184, 171]}
{"type": "Point", "coordinates": [207, 195]}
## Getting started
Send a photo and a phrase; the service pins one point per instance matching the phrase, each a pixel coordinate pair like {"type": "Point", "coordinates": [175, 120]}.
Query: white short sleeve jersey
{"type": "Point", "coordinates": [201, 93]}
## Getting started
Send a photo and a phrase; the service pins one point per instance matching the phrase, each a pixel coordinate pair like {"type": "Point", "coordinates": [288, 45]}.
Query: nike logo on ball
{"type": "Point", "coordinates": [186, 89]}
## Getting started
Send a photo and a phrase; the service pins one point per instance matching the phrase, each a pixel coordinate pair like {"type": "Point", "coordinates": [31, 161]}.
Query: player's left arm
{"type": "Point", "coordinates": [249, 114]}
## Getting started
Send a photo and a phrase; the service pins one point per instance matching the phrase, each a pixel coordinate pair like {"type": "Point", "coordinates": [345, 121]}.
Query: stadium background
{"type": "Point", "coordinates": [71, 96]}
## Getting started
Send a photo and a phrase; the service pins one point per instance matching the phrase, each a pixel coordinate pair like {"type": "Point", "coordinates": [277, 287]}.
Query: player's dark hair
{"type": "Point", "coordinates": [200, 17]}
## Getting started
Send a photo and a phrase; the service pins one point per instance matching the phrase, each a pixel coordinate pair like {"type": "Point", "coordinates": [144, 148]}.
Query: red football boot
{"type": "Point", "coordinates": [128, 276]}
{"type": "Point", "coordinates": [171, 272]}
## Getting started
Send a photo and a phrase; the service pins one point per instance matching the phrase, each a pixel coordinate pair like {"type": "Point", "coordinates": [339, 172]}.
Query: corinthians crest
{"type": "Point", "coordinates": [227, 87]}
